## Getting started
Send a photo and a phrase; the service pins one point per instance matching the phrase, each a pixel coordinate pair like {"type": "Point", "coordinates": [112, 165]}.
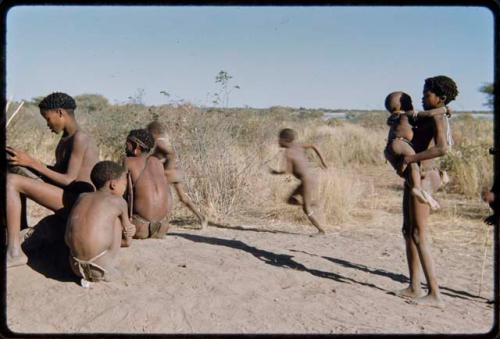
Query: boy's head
{"type": "Point", "coordinates": [438, 91]}
{"type": "Point", "coordinates": [56, 108]}
{"type": "Point", "coordinates": [286, 137]}
{"type": "Point", "coordinates": [398, 101]}
{"type": "Point", "coordinates": [109, 175]}
{"type": "Point", "coordinates": [155, 128]}
{"type": "Point", "coordinates": [139, 141]}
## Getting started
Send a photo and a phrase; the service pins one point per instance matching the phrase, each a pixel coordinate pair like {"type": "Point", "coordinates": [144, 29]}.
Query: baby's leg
{"type": "Point", "coordinates": [401, 148]}
{"type": "Point", "coordinates": [310, 208]}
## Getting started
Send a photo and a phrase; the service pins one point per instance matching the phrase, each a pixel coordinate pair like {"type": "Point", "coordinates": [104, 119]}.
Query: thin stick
{"type": "Point", "coordinates": [7, 105]}
{"type": "Point", "coordinates": [485, 249]}
{"type": "Point", "coordinates": [14, 114]}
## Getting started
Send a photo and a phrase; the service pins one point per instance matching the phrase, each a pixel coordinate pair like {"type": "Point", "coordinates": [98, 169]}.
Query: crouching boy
{"type": "Point", "coordinates": [98, 224]}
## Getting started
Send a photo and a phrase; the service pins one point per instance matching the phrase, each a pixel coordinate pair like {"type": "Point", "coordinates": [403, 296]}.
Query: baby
{"type": "Point", "coordinates": [399, 144]}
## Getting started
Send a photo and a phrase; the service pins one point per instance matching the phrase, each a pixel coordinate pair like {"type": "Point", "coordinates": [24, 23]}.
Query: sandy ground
{"type": "Point", "coordinates": [262, 278]}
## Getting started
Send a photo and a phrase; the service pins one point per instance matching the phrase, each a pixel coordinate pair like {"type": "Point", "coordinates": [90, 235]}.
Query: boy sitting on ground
{"type": "Point", "coordinates": [149, 198]}
{"type": "Point", "coordinates": [98, 225]}
{"type": "Point", "coordinates": [297, 164]}
{"type": "Point", "coordinates": [166, 153]}
{"type": "Point", "coordinates": [399, 144]}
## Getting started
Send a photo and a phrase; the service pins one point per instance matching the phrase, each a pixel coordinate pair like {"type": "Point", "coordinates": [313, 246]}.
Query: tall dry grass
{"type": "Point", "coordinates": [226, 154]}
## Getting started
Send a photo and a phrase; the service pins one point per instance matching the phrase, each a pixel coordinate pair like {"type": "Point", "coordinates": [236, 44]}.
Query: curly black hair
{"type": "Point", "coordinates": [142, 138]}
{"type": "Point", "coordinates": [442, 85]}
{"type": "Point", "coordinates": [105, 171]}
{"type": "Point", "coordinates": [58, 100]}
{"type": "Point", "coordinates": [398, 101]}
{"type": "Point", "coordinates": [288, 134]}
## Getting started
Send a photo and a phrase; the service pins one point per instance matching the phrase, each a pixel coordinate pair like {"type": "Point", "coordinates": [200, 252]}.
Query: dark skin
{"type": "Point", "coordinates": [165, 152]}
{"type": "Point", "coordinates": [297, 165]}
{"type": "Point", "coordinates": [99, 222]}
{"type": "Point", "coordinates": [416, 213]}
{"type": "Point", "coordinates": [152, 197]}
{"type": "Point", "coordinates": [400, 148]}
{"type": "Point", "coordinates": [76, 154]}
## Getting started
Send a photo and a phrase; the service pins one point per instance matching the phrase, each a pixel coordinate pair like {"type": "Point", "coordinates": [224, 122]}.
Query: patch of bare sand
{"type": "Point", "coordinates": [247, 281]}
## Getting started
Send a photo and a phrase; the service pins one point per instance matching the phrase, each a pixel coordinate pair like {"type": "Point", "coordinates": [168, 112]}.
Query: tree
{"type": "Point", "coordinates": [489, 90]}
{"type": "Point", "coordinates": [222, 79]}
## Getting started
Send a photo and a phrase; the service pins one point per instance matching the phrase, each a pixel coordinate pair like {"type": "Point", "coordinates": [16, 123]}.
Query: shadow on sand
{"type": "Point", "coordinates": [47, 253]}
{"type": "Point", "coordinates": [396, 277]}
{"type": "Point", "coordinates": [279, 260]}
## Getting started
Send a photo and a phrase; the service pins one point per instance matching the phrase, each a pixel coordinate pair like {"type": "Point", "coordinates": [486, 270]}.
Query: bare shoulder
{"type": "Point", "coordinates": [82, 137]}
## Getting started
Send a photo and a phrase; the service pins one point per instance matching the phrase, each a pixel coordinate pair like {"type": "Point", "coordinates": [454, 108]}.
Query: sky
{"type": "Point", "coordinates": [315, 57]}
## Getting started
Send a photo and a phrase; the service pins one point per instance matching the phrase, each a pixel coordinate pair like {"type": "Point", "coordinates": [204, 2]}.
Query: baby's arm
{"type": "Point", "coordinates": [128, 229]}
{"type": "Point", "coordinates": [430, 113]}
{"type": "Point", "coordinates": [317, 152]}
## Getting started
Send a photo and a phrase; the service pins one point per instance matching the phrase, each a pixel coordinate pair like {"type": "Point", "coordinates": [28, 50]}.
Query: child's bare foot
{"type": "Point", "coordinates": [203, 223]}
{"type": "Point", "coordinates": [430, 200]}
{"type": "Point", "coordinates": [429, 300]}
{"type": "Point", "coordinates": [409, 292]}
{"type": "Point", "coordinates": [320, 232]}
{"type": "Point", "coordinates": [445, 179]}
{"type": "Point", "coordinates": [16, 260]}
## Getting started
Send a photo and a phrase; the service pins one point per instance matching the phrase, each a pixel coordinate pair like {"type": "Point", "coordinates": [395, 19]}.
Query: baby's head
{"type": "Point", "coordinates": [286, 137]}
{"type": "Point", "coordinates": [108, 175]}
{"type": "Point", "coordinates": [398, 101]}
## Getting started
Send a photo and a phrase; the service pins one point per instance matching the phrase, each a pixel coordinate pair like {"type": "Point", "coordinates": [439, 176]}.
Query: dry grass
{"type": "Point", "coordinates": [226, 155]}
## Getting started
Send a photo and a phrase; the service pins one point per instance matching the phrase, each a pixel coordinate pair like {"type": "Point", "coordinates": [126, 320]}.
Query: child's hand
{"type": "Point", "coordinates": [448, 111]}
{"type": "Point", "coordinates": [129, 230]}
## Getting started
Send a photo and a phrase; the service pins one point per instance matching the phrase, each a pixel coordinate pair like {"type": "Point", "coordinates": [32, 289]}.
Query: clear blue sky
{"type": "Point", "coordinates": [330, 57]}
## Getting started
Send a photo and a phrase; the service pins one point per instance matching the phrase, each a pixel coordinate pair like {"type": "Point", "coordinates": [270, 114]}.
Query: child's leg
{"type": "Point", "coordinates": [184, 198]}
{"type": "Point", "coordinates": [292, 198]}
{"type": "Point", "coordinates": [310, 208]}
{"type": "Point", "coordinates": [42, 193]}
{"type": "Point", "coordinates": [402, 148]}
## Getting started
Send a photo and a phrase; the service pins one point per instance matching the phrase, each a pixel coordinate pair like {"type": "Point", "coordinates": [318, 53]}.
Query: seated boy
{"type": "Point", "coordinates": [98, 224]}
{"type": "Point", "coordinates": [166, 153]}
{"type": "Point", "coordinates": [399, 140]}
{"type": "Point", "coordinates": [76, 154]}
{"type": "Point", "coordinates": [297, 164]}
{"type": "Point", "coordinates": [149, 196]}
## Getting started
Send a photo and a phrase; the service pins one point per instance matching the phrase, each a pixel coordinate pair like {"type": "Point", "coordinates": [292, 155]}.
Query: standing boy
{"type": "Point", "coordinates": [166, 153]}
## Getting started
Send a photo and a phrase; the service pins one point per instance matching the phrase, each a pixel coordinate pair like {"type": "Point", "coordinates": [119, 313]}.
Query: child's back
{"type": "Point", "coordinates": [97, 222]}
{"type": "Point", "coordinates": [92, 217]}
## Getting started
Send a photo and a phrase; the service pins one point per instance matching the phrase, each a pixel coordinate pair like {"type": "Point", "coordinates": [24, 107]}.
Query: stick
{"type": "Point", "coordinates": [14, 114]}
{"type": "Point", "coordinates": [485, 249]}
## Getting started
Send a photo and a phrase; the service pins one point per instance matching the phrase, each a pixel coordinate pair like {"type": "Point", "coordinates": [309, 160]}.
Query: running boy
{"type": "Point", "coordinates": [98, 224]}
{"type": "Point", "coordinates": [298, 165]}
{"type": "Point", "coordinates": [149, 197]}
{"type": "Point", "coordinates": [399, 104]}
{"type": "Point", "coordinates": [166, 153]}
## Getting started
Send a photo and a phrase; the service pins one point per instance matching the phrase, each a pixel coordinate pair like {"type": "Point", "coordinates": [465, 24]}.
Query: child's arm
{"type": "Point", "coordinates": [439, 149]}
{"type": "Point", "coordinates": [288, 167]}
{"type": "Point", "coordinates": [313, 147]}
{"type": "Point", "coordinates": [128, 229]}
{"type": "Point", "coordinates": [80, 145]}
{"type": "Point", "coordinates": [430, 113]}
